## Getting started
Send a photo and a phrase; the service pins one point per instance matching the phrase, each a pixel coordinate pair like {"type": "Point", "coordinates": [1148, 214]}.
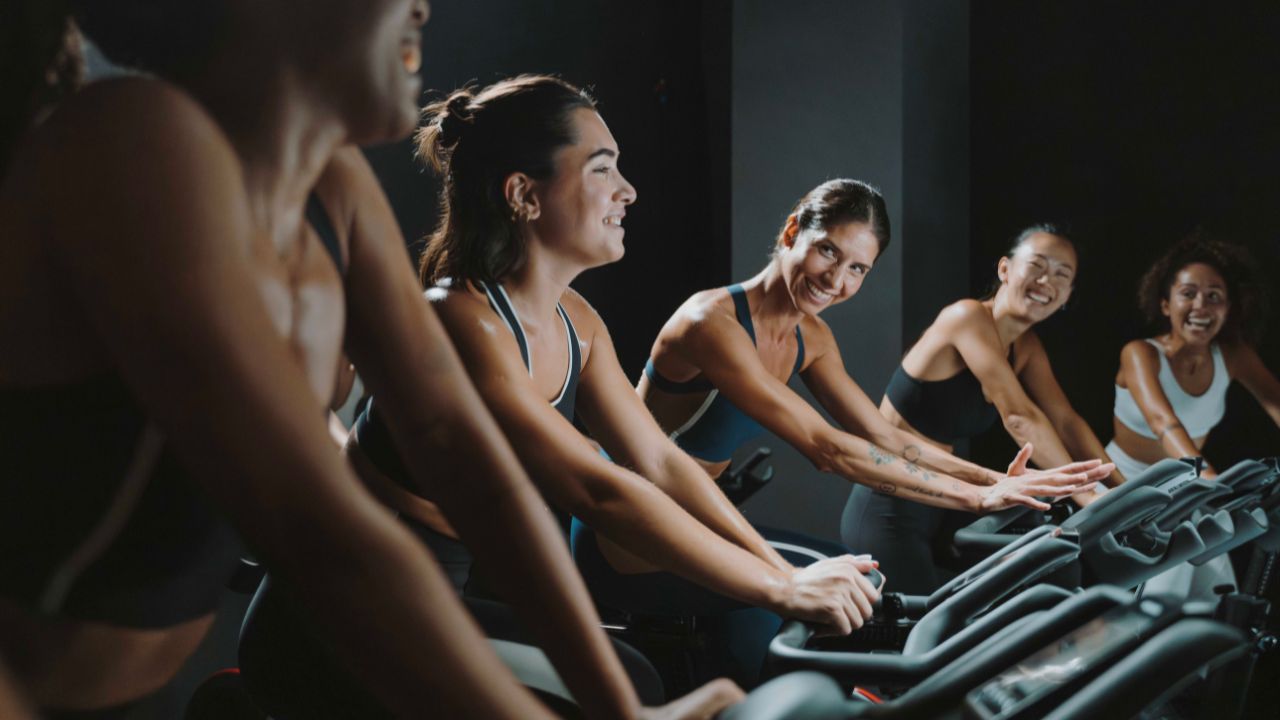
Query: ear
{"type": "Point", "coordinates": [519, 191]}
{"type": "Point", "coordinates": [790, 229]}
{"type": "Point", "coordinates": [1164, 306]}
{"type": "Point", "coordinates": [1002, 269]}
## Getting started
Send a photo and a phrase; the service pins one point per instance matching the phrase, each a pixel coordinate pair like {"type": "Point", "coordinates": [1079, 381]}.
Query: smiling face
{"type": "Point", "coordinates": [365, 54]}
{"type": "Point", "coordinates": [1037, 280]}
{"type": "Point", "coordinates": [581, 207]}
{"type": "Point", "coordinates": [1197, 304]}
{"type": "Point", "coordinates": [824, 267]}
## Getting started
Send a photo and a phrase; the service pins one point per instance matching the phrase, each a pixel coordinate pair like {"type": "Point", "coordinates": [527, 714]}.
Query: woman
{"type": "Point", "coordinates": [166, 309]}
{"type": "Point", "coordinates": [978, 362]}
{"type": "Point", "coordinates": [533, 197]}
{"type": "Point", "coordinates": [718, 373]}
{"type": "Point", "coordinates": [1171, 389]}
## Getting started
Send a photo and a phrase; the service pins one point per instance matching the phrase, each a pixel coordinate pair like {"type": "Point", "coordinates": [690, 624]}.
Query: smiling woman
{"type": "Point", "coordinates": [719, 369]}
{"type": "Point", "coordinates": [977, 363]}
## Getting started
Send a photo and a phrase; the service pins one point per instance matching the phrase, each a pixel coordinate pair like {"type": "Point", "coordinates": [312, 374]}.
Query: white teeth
{"type": "Point", "coordinates": [819, 294]}
{"type": "Point", "coordinates": [1037, 297]}
{"type": "Point", "coordinates": [1200, 322]}
{"type": "Point", "coordinates": [613, 220]}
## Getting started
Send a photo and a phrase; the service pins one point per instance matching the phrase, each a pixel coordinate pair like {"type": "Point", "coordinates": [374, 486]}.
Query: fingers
{"type": "Point", "coordinates": [701, 704]}
{"type": "Point", "coordinates": [1019, 464]}
{"type": "Point", "coordinates": [865, 563]}
{"type": "Point", "coordinates": [1027, 500]}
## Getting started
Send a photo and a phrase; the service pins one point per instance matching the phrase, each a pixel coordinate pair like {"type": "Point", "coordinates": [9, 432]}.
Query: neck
{"type": "Point", "coordinates": [538, 284]}
{"type": "Point", "coordinates": [1009, 326]}
{"type": "Point", "coordinates": [776, 313]}
{"type": "Point", "coordinates": [1179, 349]}
{"type": "Point", "coordinates": [282, 137]}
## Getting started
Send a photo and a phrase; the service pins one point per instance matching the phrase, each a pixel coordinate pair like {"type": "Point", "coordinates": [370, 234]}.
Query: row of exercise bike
{"type": "Point", "coordinates": [1051, 623]}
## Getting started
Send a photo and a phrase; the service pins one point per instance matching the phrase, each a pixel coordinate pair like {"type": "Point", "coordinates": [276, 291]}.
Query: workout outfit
{"type": "Point", "coordinates": [911, 540]}
{"type": "Point", "coordinates": [1198, 414]}
{"type": "Point", "coordinates": [718, 427]}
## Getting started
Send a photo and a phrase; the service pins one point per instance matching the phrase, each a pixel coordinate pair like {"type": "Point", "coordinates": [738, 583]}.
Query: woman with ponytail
{"type": "Point", "coordinates": [173, 307]}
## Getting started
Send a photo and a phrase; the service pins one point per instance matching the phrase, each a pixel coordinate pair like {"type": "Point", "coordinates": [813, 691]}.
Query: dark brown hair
{"type": "Point", "coordinates": [475, 140]}
{"type": "Point", "coordinates": [840, 201]}
{"type": "Point", "coordinates": [40, 61]}
{"type": "Point", "coordinates": [1245, 292]}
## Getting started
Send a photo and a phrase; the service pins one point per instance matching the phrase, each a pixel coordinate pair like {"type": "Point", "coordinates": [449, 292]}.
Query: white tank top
{"type": "Point", "coordinates": [1197, 413]}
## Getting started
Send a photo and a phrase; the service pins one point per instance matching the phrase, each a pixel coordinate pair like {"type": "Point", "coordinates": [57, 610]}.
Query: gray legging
{"type": "Point", "coordinates": [912, 541]}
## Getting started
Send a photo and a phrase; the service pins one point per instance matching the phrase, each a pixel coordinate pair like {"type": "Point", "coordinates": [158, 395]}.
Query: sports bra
{"type": "Point", "coordinates": [718, 427]}
{"type": "Point", "coordinates": [98, 520]}
{"type": "Point", "coordinates": [945, 411]}
{"type": "Point", "coordinates": [374, 437]}
{"type": "Point", "coordinates": [1198, 413]}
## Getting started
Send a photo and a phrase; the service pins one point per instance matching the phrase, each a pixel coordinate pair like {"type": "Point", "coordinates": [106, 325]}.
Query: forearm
{"type": "Point", "coordinates": [689, 485]}
{"type": "Point", "coordinates": [1083, 444]}
{"type": "Point", "coordinates": [924, 454]}
{"type": "Point", "coordinates": [1177, 443]}
{"type": "Point", "coordinates": [643, 520]}
{"type": "Point", "coordinates": [889, 473]}
{"type": "Point", "coordinates": [517, 537]}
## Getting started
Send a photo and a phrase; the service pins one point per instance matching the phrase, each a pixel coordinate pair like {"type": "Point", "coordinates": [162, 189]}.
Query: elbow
{"type": "Point", "coordinates": [824, 451]}
{"type": "Point", "coordinates": [1020, 425]}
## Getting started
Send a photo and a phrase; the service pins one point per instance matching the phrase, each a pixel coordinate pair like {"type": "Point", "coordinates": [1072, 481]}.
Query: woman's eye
{"type": "Point", "coordinates": [827, 250]}
{"type": "Point", "coordinates": [604, 170]}
{"type": "Point", "coordinates": [857, 270]}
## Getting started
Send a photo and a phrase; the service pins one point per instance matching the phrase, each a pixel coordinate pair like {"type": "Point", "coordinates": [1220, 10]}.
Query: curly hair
{"type": "Point", "coordinates": [1245, 292]}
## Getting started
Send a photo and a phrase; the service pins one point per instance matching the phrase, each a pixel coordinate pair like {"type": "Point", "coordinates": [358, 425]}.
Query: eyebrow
{"type": "Point", "coordinates": [602, 151]}
{"type": "Point", "coordinates": [1047, 259]}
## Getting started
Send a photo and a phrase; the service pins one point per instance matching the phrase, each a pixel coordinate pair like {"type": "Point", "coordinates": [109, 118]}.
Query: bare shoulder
{"type": "Point", "coordinates": [458, 304]}
{"type": "Point", "coordinates": [817, 335]}
{"type": "Point", "coordinates": [962, 314]}
{"type": "Point", "coordinates": [1139, 350]}
{"type": "Point", "coordinates": [138, 120]}
{"type": "Point", "coordinates": [586, 320]}
{"type": "Point", "coordinates": [704, 311]}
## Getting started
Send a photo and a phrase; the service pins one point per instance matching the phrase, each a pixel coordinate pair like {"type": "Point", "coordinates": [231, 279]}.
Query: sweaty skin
{"type": "Point", "coordinates": [812, 271]}
{"type": "Point", "coordinates": [1197, 306]}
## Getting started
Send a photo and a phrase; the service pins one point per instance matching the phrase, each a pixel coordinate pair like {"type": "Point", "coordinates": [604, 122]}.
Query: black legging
{"type": "Point", "coordinates": [912, 541]}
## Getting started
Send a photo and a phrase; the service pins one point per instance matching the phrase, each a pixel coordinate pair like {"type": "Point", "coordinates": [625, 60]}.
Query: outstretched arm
{"type": "Point", "coordinates": [718, 346]}
{"type": "Point", "coordinates": [619, 420]}
{"type": "Point", "coordinates": [456, 451]}
{"type": "Point", "coordinates": [161, 265]}
{"type": "Point", "coordinates": [618, 503]}
{"type": "Point", "coordinates": [975, 338]}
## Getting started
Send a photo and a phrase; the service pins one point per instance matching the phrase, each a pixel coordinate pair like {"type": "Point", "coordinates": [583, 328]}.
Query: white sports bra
{"type": "Point", "coordinates": [1197, 413]}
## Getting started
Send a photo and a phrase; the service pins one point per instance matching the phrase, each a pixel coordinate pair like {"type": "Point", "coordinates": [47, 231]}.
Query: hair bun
{"type": "Point", "coordinates": [454, 119]}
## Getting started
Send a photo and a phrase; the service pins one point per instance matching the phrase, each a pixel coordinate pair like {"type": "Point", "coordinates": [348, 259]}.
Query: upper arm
{"type": "Point", "coordinates": [831, 384]}
{"type": "Point", "coordinates": [564, 464]}
{"type": "Point", "coordinates": [1042, 385]}
{"type": "Point", "coordinates": [1246, 366]}
{"type": "Point", "coordinates": [975, 338]}
{"type": "Point", "coordinates": [154, 238]}
{"type": "Point", "coordinates": [1140, 369]}
{"type": "Point", "coordinates": [609, 405]}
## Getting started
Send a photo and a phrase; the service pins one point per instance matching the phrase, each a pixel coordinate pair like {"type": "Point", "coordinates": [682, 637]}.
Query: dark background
{"type": "Point", "coordinates": [1131, 122]}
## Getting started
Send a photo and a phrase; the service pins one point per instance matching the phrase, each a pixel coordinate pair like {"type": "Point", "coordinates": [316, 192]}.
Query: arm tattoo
{"type": "Point", "coordinates": [1168, 428]}
{"type": "Point", "coordinates": [922, 490]}
{"type": "Point", "coordinates": [911, 456]}
{"type": "Point", "coordinates": [880, 456]}
{"type": "Point", "coordinates": [887, 488]}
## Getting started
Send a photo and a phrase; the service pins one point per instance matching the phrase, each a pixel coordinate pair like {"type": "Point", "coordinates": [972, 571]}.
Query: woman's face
{"type": "Point", "coordinates": [825, 267]}
{"type": "Point", "coordinates": [581, 207]}
{"type": "Point", "coordinates": [1037, 279]}
{"type": "Point", "coordinates": [364, 56]}
{"type": "Point", "coordinates": [1197, 304]}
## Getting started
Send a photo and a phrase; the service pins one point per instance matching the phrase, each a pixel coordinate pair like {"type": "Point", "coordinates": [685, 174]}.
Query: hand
{"type": "Point", "coordinates": [833, 593]}
{"type": "Point", "coordinates": [1020, 485]}
{"type": "Point", "coordinates": [701, 704]}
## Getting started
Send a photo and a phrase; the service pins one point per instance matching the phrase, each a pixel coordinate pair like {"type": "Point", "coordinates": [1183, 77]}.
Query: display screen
{"type": "Point", "coordinates": [1066, 658]}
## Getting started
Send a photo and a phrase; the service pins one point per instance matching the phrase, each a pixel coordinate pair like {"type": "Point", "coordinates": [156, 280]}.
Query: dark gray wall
{"type": "Point", "coordinates": [874, 90]}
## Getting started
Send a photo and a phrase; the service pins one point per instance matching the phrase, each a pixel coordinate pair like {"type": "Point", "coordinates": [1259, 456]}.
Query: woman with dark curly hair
{"type": "Point", "coordinates": [1171, 389]}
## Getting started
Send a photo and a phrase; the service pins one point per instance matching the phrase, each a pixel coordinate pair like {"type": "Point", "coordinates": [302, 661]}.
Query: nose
{"type": "Point", "coordinates": [626, 193]}
{"type": "Point", "coordinates": [1198, 301]}
{"type": "Point", "coordinates": [419, 14]}
{"type": "Point", "coordinates": [833, 279]}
